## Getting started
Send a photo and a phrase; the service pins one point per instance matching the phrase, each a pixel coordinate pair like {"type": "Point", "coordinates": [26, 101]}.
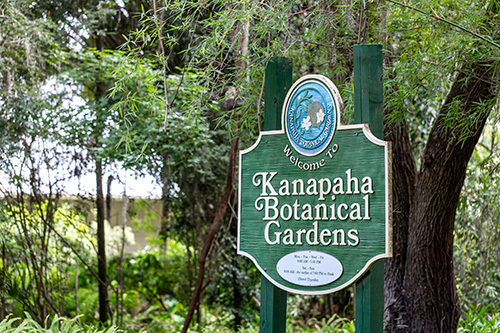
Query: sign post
{"type": "Point", "coordinates": [278, 80]}
{"type": "Point", "coordinates": [314, 194]}
{"type": "Point", "coordinates": [368, 104]}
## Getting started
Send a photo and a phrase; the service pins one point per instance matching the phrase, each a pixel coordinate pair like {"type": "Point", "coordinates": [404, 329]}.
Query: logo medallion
{"type": "Point", "coordinates": [310, 114]}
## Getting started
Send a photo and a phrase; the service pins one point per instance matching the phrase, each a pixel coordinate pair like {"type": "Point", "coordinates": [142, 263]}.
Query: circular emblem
{"type": "Point", "coordinates": [310, 114]}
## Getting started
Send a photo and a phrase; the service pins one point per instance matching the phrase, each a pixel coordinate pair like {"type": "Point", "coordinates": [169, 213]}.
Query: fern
{"type": "Point", "coordinates": [57, 325]}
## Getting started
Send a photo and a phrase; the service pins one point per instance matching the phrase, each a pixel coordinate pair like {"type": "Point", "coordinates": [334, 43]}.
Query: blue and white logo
{"type": "Point", "coordinates": [310, 114]}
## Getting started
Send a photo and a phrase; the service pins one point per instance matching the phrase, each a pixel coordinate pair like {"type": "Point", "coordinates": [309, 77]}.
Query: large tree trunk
{"type": "Point", "coordinates": [404, 173]}
{"type": "Point", "coordinates": [421, 294]}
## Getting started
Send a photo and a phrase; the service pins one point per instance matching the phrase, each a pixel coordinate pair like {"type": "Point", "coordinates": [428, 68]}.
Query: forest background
{"type": "Point", "coordinates": [173, 89]}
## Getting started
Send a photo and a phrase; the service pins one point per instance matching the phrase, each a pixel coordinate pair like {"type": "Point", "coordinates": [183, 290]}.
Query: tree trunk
{"type": "Point", "coordinates": [101, 246]}
{"type": "Point", "coordinates": [404, 173]}
{"type": "Point", "coordinates": [77, 311]}
{"type": "Point", "coordinates": [109, 199]}
{"type": "Point", "coordinates": [3, 285]}
{"type": "Point", "coordinates": [119, 317]}
{"type": "Point", "coordinates": [166, 198]}
{"type": "Point", "coordinates": [101, 239]}
{"type": "Point", "coordinates": [421, 292]}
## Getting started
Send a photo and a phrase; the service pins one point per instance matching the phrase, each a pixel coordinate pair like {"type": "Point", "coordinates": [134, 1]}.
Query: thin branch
{"type": "Point", "coordinates": [489, 149]}
{"type": "Point", "coordinates": [156, 296]}
{"type": "Point", "coordinates": [159, 26]}
{"type": "Point", "coordinates": [92, 271]}
{"type": "Point", "coordinates": [185, 58]}
{"type": "Point", "coordinates": [438, 18]}
{"type": "Point", "coordinates": [305, 41]}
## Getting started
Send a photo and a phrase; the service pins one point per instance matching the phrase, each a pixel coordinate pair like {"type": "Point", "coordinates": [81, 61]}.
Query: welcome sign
{"type": "Point", "coordinates": [314, 210]}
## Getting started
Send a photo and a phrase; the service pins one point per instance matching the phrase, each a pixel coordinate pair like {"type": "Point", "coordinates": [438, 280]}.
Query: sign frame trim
{"type": "Point", "coordinates": [388, 209]}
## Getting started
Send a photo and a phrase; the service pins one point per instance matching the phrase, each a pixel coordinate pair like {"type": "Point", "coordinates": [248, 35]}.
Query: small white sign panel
{"type": "Point", "coordinates": [309, 268]}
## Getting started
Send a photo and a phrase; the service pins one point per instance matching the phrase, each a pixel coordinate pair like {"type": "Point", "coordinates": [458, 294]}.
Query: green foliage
{"type": "Point", "coordinates": [156, 303]}
{"type": "Point", "coordinates": [231, 296]}
{"type": "Point", "coordinates": [28, 56]}
{"type": "Point", "coordinates": [213, 51]}
{"type": "Point", "coordinates": [212, 33]}
{"type": "Point", "coordinates": [476, 320]}
{"type": "Point", "coordinates": [28, 53]}
{"type": "Point", "coordinates": [314, 311]}
{"type": "Point", "coordinates": [87, 301]}
{"type": "Point", "coordinates": [425, 53]}
{"type": "Point", "coordinates": [57, 325]}
{"type": "Point", "coordinates": [184, 152]}
{"type": "Point", "coordinates": [477, 228]}
{"type": "Point", "coordinates": [335, 324]}
{"type": "Point", "coordinates": [30, 232]}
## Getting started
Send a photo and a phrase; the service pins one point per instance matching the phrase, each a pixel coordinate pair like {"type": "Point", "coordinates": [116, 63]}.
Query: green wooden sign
{"type": "Point", "coordinates": [314, 197]}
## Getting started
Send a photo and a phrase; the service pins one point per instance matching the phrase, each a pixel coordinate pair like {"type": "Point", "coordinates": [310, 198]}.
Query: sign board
{"type": "Point", "coordinates": [314, 197]}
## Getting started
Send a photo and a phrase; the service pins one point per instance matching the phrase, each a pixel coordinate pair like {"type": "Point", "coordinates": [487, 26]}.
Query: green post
{"type": "Point", "coordinates": [368, 108]}
{"type": "Point", "coordinates": [277, 82]}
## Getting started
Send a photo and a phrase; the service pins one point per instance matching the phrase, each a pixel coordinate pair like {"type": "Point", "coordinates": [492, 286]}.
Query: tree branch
{"type": "Point", "coordinates": [159, 25]}
{"type": "Point", "coordinates": [212, 231]}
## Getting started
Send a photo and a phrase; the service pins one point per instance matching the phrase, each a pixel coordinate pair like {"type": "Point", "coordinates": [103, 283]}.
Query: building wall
{"type": "Point", "coordinates": [143, 216]}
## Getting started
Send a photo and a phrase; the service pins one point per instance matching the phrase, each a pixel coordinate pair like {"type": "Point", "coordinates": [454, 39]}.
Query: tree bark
{"type": "Point", "coordinates": [421, 291]}
{"type": "Point", "coordinates": [404, 171]}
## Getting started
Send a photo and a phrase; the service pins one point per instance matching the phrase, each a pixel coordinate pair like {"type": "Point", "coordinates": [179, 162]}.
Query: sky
{"type": "Point", "coordinates": [124, 181]}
